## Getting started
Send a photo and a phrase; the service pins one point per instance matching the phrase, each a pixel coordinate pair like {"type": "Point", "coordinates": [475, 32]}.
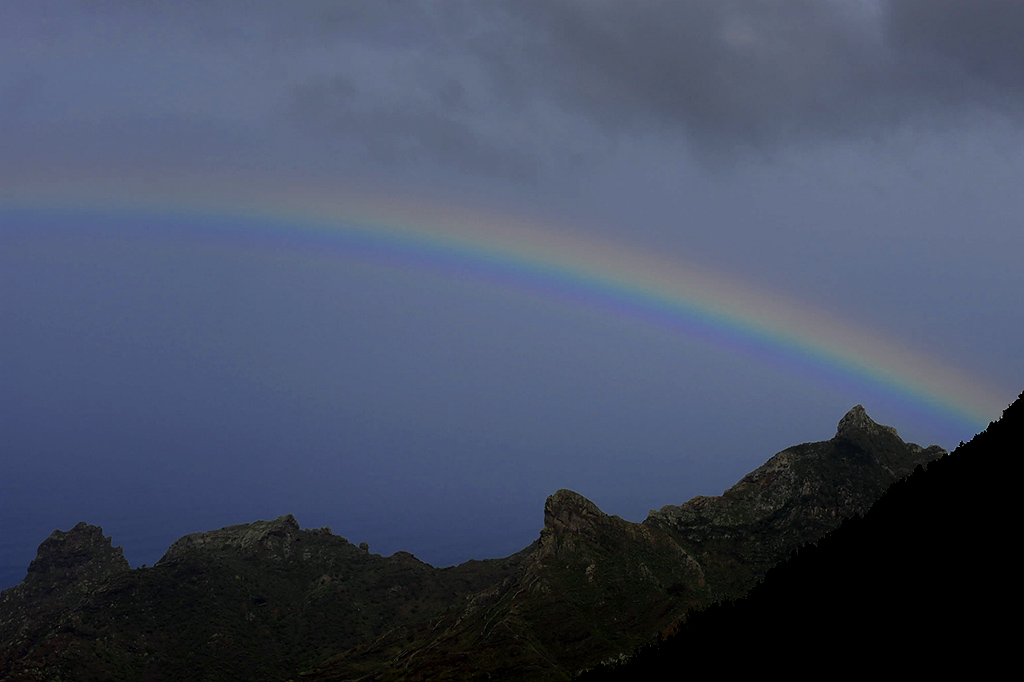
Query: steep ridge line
{"type": "Point", "coordinates": [268, 600]}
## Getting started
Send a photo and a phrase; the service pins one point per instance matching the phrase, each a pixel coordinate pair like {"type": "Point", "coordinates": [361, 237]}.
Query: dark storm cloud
{"type": "Point", "coordinates": [967, 42]}
{"type": "Point", "coordinates": [718, 71]}
{"type": "Point", "coordinates": [740, 69]}
{"type": "Point", "coordinates": [420, 87]}
{"type": "Point", "coordinates": [516, 88]}
{"type": "Point", "coordinates": [378, 84]}
{"type": "Point", "coordinates": [761, 71]}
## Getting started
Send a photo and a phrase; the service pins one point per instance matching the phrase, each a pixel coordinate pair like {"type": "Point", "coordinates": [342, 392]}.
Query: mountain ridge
{"type": "Point", "coordinates": [923, 581]}
{"type": "Point", "coordinates": [253, 601]}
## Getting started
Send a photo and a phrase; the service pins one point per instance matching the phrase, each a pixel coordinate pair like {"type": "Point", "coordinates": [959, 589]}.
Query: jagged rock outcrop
{"type": "Point", "coordinates": [70, 566]}
{"type": "Point", "coordinates": [267, 600]}
{"type": "Point", "coordinates": [797, 496]}
{"type": "Point", "coordinates": [885, 591]}
{"type": "Point", "coordinates": [79, 557]}
{"type": "Point", "coordinates": [592, 585]}
{"type": "Point", "coordinates": [595, 585]}
{"type": "Point", "coordinates": [257, 601]}
{"type": "Point", "coordinates": [857, 421]}
{"type": "Point", "coordinates": [569, 511]}
{"type": "Point", "coordinates": [275, 540]}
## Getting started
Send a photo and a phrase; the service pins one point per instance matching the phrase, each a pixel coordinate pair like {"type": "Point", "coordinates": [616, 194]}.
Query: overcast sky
{"type": "Point", "coordinates": [856, 157]}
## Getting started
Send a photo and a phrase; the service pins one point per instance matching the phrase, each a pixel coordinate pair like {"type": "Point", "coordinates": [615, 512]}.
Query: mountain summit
{"type": "Point", "coordinates": [82, 556]}
{"type": "Point", "coordinates": [857, 421]}
{"type": "Point", "coordinates": [268, 600]}
{"type": "Point", "coordinates": [881, 591]}
{"type": "Point", "coordinates": [797, 496]}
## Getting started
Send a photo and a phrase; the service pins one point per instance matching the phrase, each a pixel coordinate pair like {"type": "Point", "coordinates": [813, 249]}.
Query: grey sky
{"type": "Point", "coordinates": [861, 157]}
{"type": "Point", "coordinates": [489, 88]}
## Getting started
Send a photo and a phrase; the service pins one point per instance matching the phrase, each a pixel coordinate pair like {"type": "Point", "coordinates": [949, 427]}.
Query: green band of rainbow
{"type": "Point", "coordinates": [553, 263]}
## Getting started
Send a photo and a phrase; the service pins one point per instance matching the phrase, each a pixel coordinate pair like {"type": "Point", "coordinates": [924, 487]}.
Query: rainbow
{"type": "Point", "coordinates": [549, 262]}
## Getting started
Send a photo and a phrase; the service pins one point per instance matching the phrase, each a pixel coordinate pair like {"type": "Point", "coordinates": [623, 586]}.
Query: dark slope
{"type": "Point", "coordinates": [253, 602]}
{"type": "Point", "coordinates": [595, 585]}
{"type": "Point", "coordinates": [267, 600]}
{"type": "Point", "coordinates": [799, 495]}
{"type": "Point", "coordinates": [927, 580]}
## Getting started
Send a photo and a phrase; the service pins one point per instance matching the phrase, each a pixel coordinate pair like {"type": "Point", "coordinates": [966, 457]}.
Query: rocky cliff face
{"type": "Point", "coordinates": [69, 568]}
{"type": "Point", "coordinates": [594, 585]}
{"type": "Point", "coordinates": [78, 558]}
{"type": "Point", "coordinates": [257, 601]}
{"type": "Point", "coordinates": [266, 600]}
{"type": "Point", "coordinates": [797, 496]}
{"type": "Point", "coordinates": [888, 578]}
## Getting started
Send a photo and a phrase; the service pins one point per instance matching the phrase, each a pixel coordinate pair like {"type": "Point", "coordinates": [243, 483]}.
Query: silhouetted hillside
{"type": "Point", "coordinates": [268, 600]}
{"type": "Point", "coordinates": [594, 585]}
{"type": "Point", "coordinates": [926, 580]}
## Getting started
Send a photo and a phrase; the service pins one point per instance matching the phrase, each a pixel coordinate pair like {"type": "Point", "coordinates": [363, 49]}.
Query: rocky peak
{"type": "Point", "coordinates": [569, 510]}
{"type": "Point", "coordinates": [80, 554]}
{"type": "Point", "coordinates": [857, 421]}
{"type": "Point", "coordinates": [800, 494]}
{"type": "Point", "coordinates": [275, 537]}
